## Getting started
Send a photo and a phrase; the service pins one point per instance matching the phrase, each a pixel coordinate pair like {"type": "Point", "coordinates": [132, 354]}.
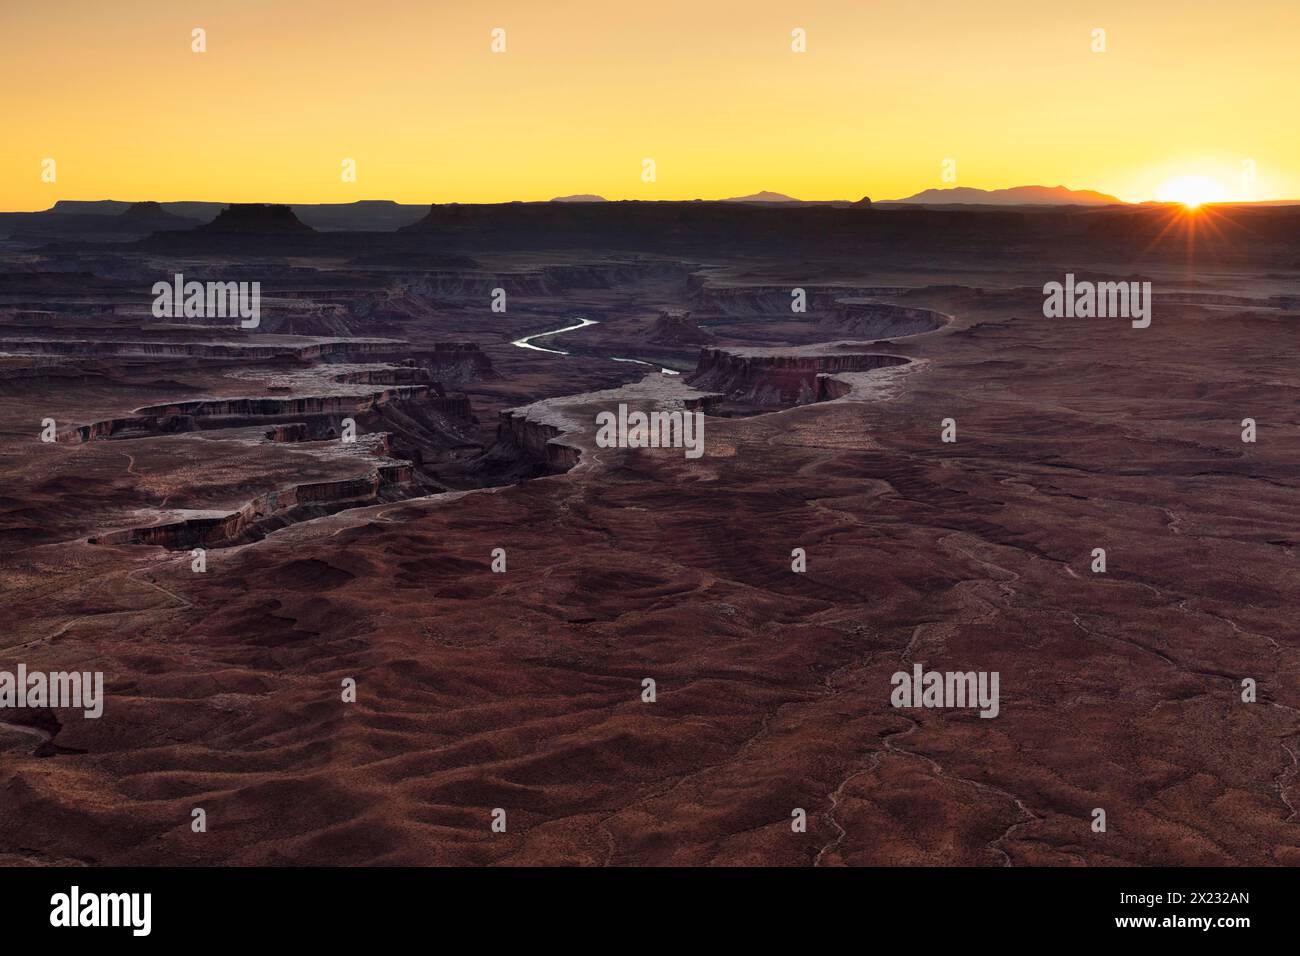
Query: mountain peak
{"type": "Point", "coordinates": [1014, 196]}
{"type": "Point", "coordinates": [764, 196]}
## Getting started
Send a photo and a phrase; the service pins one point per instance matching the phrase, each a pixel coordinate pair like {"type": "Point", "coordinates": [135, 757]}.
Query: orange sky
{"type": "Point", "coordinates": [711, 91]}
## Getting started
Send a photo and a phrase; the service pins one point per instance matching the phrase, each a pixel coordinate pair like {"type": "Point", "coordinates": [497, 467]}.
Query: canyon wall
{"type": "Point", "coordinates": [751, 300]}
{"type": "Point", "coordinates": [533, 439]}
{"type": "Point", "coordinates": [389, 481]}
{"type": "Point", "coordinates": [770, 379]}
{"type": "Point", "coordinates": [882, 320]}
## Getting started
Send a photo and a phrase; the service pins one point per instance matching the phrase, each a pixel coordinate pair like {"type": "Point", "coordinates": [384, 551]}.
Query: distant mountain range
{"type": "Point", "coordinates": [366, 214]}
{"type": "Point", "coordinates": [1015, 196]}
{"type": "Point", "coordinates": [117, 221]}
{"type": "Point", "coordinates": [764, 196]}
{"type": "Point", "coordinates": [955, 196]}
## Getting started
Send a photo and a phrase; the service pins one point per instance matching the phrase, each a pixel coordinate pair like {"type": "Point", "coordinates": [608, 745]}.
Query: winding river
{"type": "Point", "coordinates": [527, 343]}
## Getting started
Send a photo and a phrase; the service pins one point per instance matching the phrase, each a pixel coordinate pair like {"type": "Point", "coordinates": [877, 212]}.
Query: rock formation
{"type": "Point", "coordinates": [677, 328]}
{"type": "Point", "coordinates": [780, 377]}
{"type": "Point", "coordinates": [256, 219]}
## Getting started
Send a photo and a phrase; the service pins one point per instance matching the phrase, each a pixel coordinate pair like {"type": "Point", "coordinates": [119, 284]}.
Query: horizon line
{"type": "Point", "coordinates": [563, 200]}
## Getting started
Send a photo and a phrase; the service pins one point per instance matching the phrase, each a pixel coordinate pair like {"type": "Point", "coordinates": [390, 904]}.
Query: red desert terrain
{"type": "Point", "coordinates": [522, 689]}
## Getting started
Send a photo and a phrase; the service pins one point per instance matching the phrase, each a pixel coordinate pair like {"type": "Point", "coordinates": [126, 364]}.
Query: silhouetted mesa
{"type": "Point", "coordinates": [152, 214]}
{"type": "Point", "coordinates": [257, 218]}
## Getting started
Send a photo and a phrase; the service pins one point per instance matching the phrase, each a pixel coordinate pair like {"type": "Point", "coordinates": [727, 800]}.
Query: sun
{"type": "Point", "coordinates": [1191, 190]}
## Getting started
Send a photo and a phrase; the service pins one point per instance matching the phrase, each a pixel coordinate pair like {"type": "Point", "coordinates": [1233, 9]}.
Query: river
{"type": "Point", "coordinates": [527, 343]}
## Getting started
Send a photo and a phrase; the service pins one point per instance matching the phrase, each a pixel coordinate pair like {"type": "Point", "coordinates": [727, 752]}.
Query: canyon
{"type": "Point", "coordinates": [371, 560]}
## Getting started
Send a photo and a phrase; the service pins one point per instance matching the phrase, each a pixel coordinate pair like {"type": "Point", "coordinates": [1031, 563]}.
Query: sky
{"type": "Point", "coordinates": [1011, 92]}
